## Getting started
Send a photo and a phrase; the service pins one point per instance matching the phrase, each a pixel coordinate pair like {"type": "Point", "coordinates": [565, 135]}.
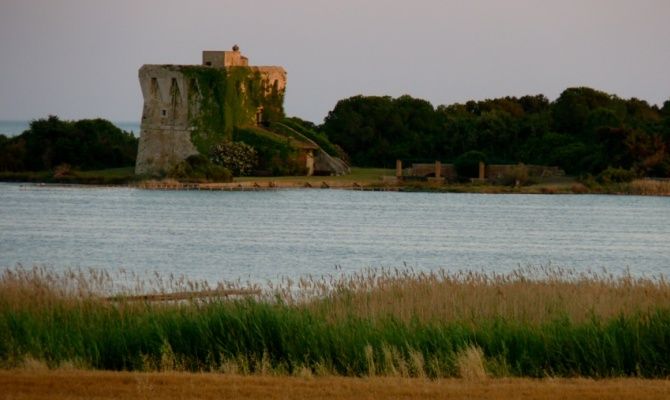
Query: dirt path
{"type": "Point", "coordinates": [74, 384]}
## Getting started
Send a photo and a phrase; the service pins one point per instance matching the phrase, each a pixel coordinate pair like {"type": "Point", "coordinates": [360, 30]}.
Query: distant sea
{"type": "Point", "coordinates": [16, 127]}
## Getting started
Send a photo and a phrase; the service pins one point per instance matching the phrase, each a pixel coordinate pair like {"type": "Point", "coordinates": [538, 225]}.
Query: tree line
{"type": "Point", "coordinates": [86, 144]}
{"type": "Point", "coordinates": [584, 131]}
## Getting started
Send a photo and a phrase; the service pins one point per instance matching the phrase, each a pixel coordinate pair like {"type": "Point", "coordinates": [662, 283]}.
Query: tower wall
{"type": "Point", "coordinates": [165, 129]}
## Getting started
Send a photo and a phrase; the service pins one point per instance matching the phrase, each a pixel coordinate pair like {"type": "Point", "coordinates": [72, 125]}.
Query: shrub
{"type": "Point", "coordinates": [239, 157]}
{"type": "Point", "coordinates": [616, 175]}
{"type": "Point", "coordinates": [517, 175]}
{"type": "Point", "coordinates": [198, 168]}
{"type": "Point", "coordinates": [579, 188]}
{"type": "Point", "coordinates": [63, 170]}
{"type": "Point", "coordinates": [467, 164]}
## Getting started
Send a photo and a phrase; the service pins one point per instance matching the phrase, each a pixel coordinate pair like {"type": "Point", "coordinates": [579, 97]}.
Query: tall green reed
{"type": "Point", "coordinates": [285, 333]}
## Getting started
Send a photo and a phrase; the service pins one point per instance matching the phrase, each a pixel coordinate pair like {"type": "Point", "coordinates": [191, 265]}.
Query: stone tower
{"type": "Point", "coordinates": [188, 108]}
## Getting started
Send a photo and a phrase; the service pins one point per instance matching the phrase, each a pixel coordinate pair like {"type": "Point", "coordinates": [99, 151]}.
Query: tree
{"type": "Point", "coordinates": [84, 144]}
{"type": "Point", "coordinates": [467, 164]}
{"type": "Point", "coordinates": [583, 131]}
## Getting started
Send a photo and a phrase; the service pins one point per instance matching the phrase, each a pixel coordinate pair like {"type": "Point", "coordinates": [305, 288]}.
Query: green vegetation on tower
{"type": "Point", "coordinates": [228, 98]}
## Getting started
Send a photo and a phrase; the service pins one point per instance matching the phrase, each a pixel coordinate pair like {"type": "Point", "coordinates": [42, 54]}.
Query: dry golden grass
{"type": "Point", "coordinates": [579, 188]}
{"type": "Point", "coordinates": [40, 285]}
{"type": "Point", "coordinates": [650, 187]}
{"type": "Point", "coordinates": [73, 384]}
{"type": "Point", "coordinates": [470, 363]}
{"type": "Point", "coordinates": [528, 295]}
{"type": "Point", "coordinates": [159, 184]}
{"type": "Point", "coordinates": [531, 295]}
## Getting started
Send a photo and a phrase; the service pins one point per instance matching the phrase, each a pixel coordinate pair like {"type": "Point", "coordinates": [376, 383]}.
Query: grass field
{"type": "Point", "coordinates": [362, 176]}
{"type": "Point", "coordinates": [531, 323]}
{"type": "Point", "coordinates": [74, 384]}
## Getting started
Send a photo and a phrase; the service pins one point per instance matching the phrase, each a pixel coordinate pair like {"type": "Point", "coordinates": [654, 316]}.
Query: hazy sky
{"type": "Point", "coordinates": [79, 58]}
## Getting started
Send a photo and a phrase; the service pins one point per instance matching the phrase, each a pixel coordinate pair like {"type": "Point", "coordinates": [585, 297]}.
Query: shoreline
{"type": "Point", "coordinates": [642, 187]}
{"type": "Point", "coordinates": [362, 179]}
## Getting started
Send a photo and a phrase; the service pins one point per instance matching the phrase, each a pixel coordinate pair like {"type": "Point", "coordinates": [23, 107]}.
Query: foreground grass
{"type": "Point", "coordinates": [532, 323]}
{"type": "Point", "coordinates": [73, 384]}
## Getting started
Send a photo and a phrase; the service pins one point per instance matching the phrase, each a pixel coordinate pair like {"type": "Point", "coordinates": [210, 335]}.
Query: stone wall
{"type": "Point", "coordinates": [447, 171]}
{"type": "Point", "coordinates": [493, 172]}
{"type": "Point", "coordinates": [499, 171]}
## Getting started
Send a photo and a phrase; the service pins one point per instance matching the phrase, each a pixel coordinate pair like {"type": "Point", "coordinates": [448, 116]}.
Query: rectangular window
{"type": "Point", "coordinates": [164, 113]}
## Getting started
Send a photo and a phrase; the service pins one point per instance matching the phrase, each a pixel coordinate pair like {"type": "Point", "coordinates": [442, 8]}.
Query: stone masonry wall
{"type": "Point", "coordinates": [165, 129]}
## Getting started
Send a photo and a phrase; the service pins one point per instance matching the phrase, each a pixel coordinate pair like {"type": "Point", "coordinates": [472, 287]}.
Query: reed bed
{"type": "Point", "coordinates": [529, 295]}
{"type": "Point", "coordinates": [651, 187]}
{"type": "Point", "coordinates": [532, 322]}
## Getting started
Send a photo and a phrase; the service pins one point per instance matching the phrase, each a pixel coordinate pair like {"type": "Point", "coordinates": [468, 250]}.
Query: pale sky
{"type": "Point", "coordinates": [79, 58]}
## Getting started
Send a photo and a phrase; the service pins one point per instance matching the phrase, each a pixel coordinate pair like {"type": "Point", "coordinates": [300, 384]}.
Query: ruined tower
{"type": "Point", "coordinates": [188, 108]}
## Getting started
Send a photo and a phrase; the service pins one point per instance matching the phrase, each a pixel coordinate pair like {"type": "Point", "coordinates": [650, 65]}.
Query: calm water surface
{"type": "Point", "coordinates": [266, 235]}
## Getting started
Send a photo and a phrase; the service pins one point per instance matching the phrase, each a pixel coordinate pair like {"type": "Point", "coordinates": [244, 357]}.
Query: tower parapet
{"type": "Point", "coordinates": [222, 59]}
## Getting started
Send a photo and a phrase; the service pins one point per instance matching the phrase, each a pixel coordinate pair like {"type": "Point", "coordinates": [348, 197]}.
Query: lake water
{"type": "Point", "coordinates": [266, 235]}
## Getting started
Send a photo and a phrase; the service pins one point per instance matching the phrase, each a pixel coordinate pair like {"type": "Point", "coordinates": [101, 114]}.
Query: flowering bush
{"type": "Point", "coordinates": [238, 157]}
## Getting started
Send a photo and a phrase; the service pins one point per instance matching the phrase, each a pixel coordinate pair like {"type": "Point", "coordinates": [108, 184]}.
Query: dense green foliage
{"type": "Point", "coordinates": [311, 132]}
{"type": "Point", "coordinates": [467, 164]}
{"type": "Point", "coordinates": [85, 144]}
{"type": "Point", "coordinates": [198, 168]}
{"type": "Point", "coordinates": [65, 174]}
{"type": "Point", "coordinates": [228, 98]}
{"type": "Point", "coordinates": [238, 157]}
{"type": "Point", "coordinates": [227, 102]}
{"type": "Point", "coordinates": [276, 154]}
{"type": "Point", "coordinates": [204, 336]}
{"type": "Point", "coordinates": [583, 131]}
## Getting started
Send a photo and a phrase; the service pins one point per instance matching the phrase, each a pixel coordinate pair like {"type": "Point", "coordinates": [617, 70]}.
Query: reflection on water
{"type": "Point", "coordinates": [266, 235]}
